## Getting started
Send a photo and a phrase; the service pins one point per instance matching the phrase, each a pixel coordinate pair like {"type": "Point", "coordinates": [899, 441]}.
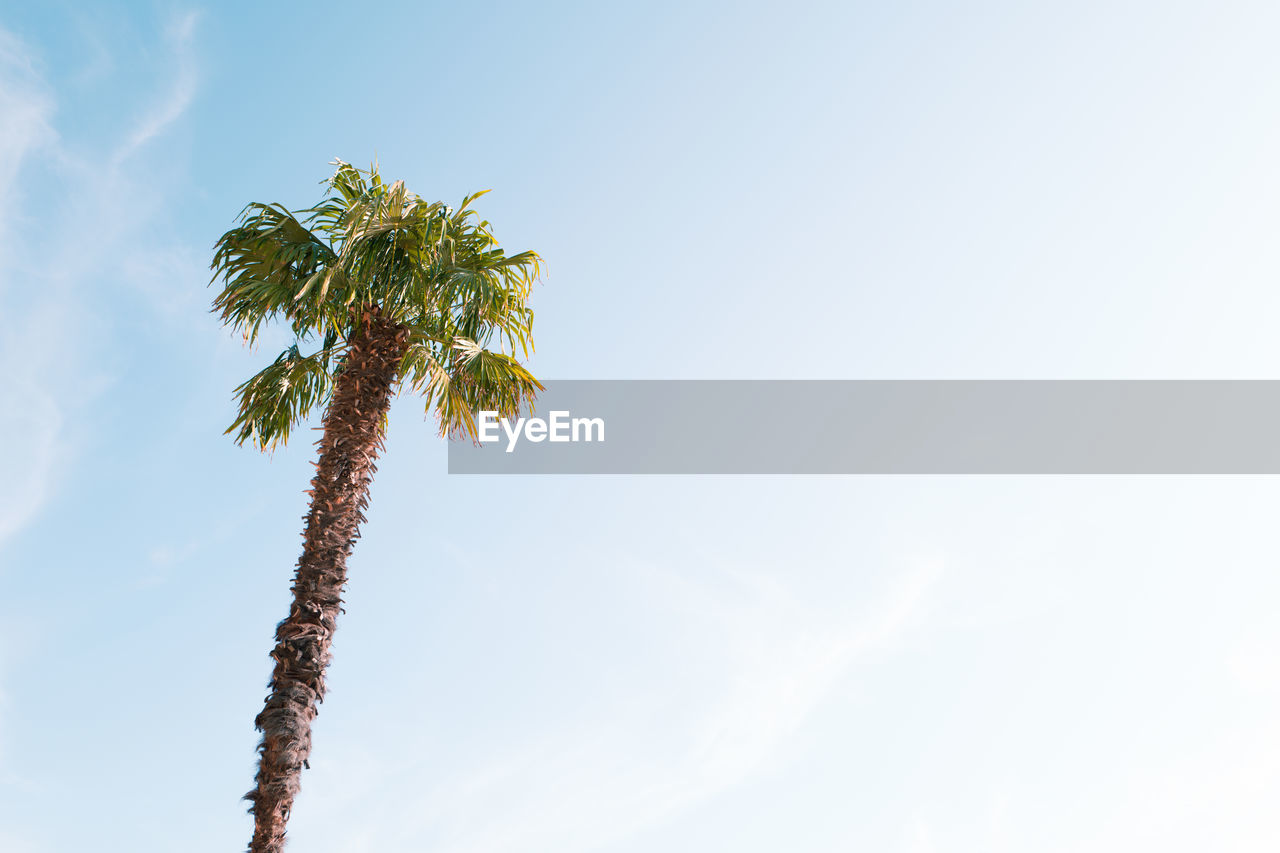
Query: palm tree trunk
{"type": "Point", "coordinates": [353, 434]}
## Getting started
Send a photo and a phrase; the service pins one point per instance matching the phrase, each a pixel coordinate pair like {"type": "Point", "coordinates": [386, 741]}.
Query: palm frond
{"type": "Point", "coordinates": [267, 264]}
{"type": "Point", "coordinates": [484, 381]}
{"type": "Point", "coordinates": [282, 394]}
{"type": "Point", "coordinates": [435, 272]}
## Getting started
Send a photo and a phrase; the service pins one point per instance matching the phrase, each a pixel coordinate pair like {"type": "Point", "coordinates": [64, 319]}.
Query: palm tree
{"type": "Point", "coordinates": [393, 292]}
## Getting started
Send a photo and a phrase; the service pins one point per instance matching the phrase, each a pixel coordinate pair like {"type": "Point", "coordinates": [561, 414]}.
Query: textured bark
{"type": "Point", "coordinates": [352, 439]}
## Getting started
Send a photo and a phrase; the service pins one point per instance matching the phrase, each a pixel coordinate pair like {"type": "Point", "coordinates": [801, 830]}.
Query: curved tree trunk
{"type": "Point", "coordinates": [353, 433]}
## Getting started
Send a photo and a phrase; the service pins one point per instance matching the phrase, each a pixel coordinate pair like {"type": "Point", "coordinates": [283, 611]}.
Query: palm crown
{"type": "Point", "coordinates": [374, 250]}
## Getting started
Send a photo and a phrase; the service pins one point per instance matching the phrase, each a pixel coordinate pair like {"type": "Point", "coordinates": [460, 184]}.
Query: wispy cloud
{"type": "Point", "coordinates": [179, 35]}
{"type": "Point", "coordinates": [45, 270]}
{"type": "Point", "coordinates": [30, 419]}
{"type": "Point", "coordinates": [32, 422]}
{"type": "Point", "coordinates": [26, 107]}
{"type": "Point", "coordinates": [786, 656]}
{"type": "Point", "coordinates": [778, 659]}
{"type": "Point", "coordinates": [770, 660]}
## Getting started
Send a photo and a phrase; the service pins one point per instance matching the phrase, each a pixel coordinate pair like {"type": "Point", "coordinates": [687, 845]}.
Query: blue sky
{"type": "Point", "coordinates": [623, 664]}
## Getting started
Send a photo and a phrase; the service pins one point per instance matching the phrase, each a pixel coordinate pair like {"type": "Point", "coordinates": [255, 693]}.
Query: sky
{"type": "Point", "coordinates": [622, 664]}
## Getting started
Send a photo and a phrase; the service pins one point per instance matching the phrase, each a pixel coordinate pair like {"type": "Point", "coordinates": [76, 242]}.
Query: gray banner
{"type": "Point", "coordinates": [887, 427]}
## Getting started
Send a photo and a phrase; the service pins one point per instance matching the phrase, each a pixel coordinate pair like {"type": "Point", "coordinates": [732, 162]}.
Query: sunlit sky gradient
{"type": "Point", "coordinates": [913, 190]}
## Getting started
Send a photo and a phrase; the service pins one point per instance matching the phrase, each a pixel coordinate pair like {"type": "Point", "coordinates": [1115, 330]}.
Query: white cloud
{"type": "Point", "coordinates": [32, 421]}
{"type": "Point", "coordinates": [52, 371]}
{"type": "Point", "coordinates": [768, 660]}
{"type": "Point", "coordinates": [30, 418]}
{"type": "Point", "coordinates": [785, 666]}
{"type": "Point", "coordinates": [44, 270]}
{"type": "Point", "coordinates": [25, 110]}
{"type": "Point", "coordinates": [179, 35]}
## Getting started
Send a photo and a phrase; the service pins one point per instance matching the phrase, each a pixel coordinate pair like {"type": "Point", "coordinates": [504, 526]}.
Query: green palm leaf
{"type": "Point", "coordinates": [369, 246]}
